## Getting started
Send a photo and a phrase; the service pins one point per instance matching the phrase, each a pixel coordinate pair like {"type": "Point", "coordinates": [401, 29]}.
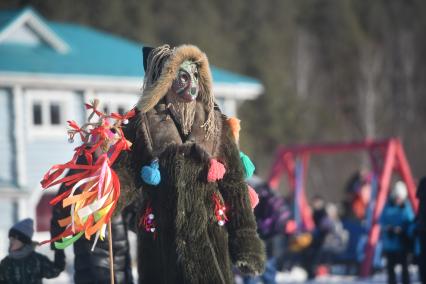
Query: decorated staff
{"type": "Point", "coordinates": [93, 190]}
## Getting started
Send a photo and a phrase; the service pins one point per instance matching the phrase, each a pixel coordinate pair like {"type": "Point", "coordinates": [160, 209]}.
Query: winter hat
{"type": "Point", "coordinates": [23, 231]}
{"type": "Point", "coordinates": [399, 190]}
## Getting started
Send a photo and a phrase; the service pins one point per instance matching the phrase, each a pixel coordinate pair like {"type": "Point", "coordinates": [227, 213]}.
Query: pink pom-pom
{"type": "Point", "coordinates": [290, 227]}
{"type": "Point", "coordinates": [216, 171]}
{"type": "Point", "coordinates": [254, 198]}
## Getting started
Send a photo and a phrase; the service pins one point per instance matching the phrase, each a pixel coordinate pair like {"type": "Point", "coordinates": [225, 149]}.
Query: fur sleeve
{"type": "Point", "coordinates": [246, 248]}
{"type": "Point", "coordinates": [129, 163]}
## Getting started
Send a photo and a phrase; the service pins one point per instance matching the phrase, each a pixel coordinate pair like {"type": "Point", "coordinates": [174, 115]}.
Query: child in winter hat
{"type": "Point", "coordinates": [23, 231]}
{"type": "Point", "coordinates": [23, 264]}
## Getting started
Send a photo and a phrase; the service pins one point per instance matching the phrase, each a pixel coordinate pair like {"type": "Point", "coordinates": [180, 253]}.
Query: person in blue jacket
{"type": "Point", "coordinates": [396, 219]}
{"type": "Point", "coordinates": [421, 228]}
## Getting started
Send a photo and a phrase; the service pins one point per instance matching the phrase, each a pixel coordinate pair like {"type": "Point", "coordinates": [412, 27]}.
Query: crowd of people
{"type": "Point", "coordinates": [335, 239]}
{"type": "Point", "coordinates": [340, 234]}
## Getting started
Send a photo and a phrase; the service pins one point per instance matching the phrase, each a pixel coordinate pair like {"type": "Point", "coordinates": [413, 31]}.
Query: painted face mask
{"type": "Point", "coordinates": [185, 85]}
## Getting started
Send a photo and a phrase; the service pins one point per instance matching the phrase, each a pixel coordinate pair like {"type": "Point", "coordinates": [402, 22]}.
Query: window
{"type": "Point", "coordinates": [48, 112]}
{"type": "Point", "coordinates": [106, 109]}
{"type": "Point", "coordinates": [37, 118]}
{"type": "Point", "coordinates": [114, 102]}
{"type": "Point", "coordinates": [55, 113]}
{"type": "Point", "coordinates": [121, 110]}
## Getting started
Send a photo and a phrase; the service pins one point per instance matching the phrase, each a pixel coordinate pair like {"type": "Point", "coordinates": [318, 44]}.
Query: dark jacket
{"type": "Point", "coordinates": [93, 266]}
{"type": "Point", "coordinates": [271, 213]}
{"type": "Point", "coordinates": [421, 213]}
{"type": "Point", "coordinates": [30, 269]}
{"type": "Point", "coordinates": [188, 245]}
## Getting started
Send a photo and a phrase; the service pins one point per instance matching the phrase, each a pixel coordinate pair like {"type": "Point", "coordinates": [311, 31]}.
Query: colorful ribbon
{"type": "Point", "coordinates": [93, 191]}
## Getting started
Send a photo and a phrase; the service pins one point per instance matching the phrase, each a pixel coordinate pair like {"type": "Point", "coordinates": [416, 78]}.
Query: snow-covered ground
{"type": "Point", "coordinates": [298, 275]}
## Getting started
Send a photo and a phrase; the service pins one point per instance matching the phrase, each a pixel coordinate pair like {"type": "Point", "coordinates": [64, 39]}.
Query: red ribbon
{"type": "Point", "coordinates": [92, 107]}
{"type": "Point", "coordinates": [127, 115]}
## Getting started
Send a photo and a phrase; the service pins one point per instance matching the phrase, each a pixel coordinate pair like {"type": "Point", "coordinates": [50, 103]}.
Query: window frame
{"type": "Point", "coordinates": [47, 98]}
{"type": "Point", "coordinates": [113, 101]}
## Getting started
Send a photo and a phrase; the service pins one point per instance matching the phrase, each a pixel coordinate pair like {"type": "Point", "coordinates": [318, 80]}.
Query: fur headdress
{"type": "Point", "coordinates": [161, 67]}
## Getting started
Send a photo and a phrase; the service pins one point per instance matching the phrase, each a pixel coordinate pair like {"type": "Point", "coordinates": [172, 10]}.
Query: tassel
{"type": "Point", "coordinates": [151, 174]}
{"type": "Point", "coordinates": [219, 210]}
{"type": "Point", "coordinates": [216, 171]}
{"type": "Point", "coordinates": [248, 165]}
{"type": "Point", "coordinates": [254, 198]}
{"type": "Point", "coordinates": [234, 124]}
{"type": "Point", "coordinates": [147, 220]}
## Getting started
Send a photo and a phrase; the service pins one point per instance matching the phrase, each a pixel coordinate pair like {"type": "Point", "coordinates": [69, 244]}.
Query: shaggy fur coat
{"type": "Point", "coordinates": [189, 246]}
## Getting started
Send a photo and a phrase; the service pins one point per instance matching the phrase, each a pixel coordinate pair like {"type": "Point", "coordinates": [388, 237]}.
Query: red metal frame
{"type": "Point", "coordinates": [386, 156]}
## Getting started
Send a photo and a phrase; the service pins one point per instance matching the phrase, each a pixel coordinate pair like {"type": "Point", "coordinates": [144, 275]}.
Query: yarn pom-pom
{"type": "Point", "coordinates": [216, 171]}
{"type": "Point", "coordinates": [254, 198]}
{"type": "Point", "coordinates": [290, 227]}
{"type": "Point", "coordinates": [234, 123]}
{"type": "Point", "coordinates": [151, 174]}
{"type": "Point", "coordinates": [248, 165]}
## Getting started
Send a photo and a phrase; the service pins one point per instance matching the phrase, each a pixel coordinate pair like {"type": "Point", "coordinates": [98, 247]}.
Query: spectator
{"type": "Point", "coordinates": [23, 264]}
{"type": "Point", "coordinates": [358, 194]}
{"type": "Point", "coordinates": [396, 219]}
{"type": "Point", "coordinates": [421, 228]}
{"type": "Point", "coordinates": [323, 225]}
{"type": "Point", "coordinates": [336, 240]}
{"type": "Point", "coordinates": [271, 215]}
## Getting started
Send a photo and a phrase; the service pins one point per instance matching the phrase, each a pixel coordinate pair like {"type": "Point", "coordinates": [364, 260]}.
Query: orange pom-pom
{"type": "Point", "coordinates": [216, 171]}
{"type": "Point", "coordinates": [234, 123]}
{"type": "Point", "coordinates": [254, 198]}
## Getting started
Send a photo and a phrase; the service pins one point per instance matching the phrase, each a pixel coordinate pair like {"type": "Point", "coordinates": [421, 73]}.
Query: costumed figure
{"type": "Point", "coordinates": [186, 169]}
{"type": "Point", "coordinates": [177, 160]}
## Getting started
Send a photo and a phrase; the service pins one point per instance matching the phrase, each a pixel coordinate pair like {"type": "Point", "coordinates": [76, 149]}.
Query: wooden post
{"type": "Point", "coordinates": [111, 256]}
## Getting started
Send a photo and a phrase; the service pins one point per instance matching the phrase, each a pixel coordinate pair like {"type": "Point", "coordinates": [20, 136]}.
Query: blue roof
{"type": "Point", "coordinates": [6, 17]}
{"type": "Point", "coordinates": [92, 52]}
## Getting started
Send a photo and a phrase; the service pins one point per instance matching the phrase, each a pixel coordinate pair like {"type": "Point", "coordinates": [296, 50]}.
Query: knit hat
{"type": "Point", "coordinates": [23, 231]}
{"type": "Point", "coordinates": [399, 190]}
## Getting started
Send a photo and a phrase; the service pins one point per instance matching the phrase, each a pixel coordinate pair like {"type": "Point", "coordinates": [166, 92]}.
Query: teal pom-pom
{"type": "Point", "coordinates": [248, 165]}
{"type": "Point", "coordinates": [151, 174]}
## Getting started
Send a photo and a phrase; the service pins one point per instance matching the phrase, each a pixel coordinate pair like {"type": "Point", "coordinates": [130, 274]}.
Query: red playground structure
{"type": "Point", "coordinates": [386, 157]}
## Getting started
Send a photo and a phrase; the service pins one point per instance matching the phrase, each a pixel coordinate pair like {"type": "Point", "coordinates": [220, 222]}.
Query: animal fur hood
{"type": "Point", "coordinates": [162, 66]}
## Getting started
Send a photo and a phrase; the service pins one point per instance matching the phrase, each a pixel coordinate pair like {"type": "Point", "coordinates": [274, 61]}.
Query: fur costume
{"type": "Point", "coordinates": [186, 244]}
